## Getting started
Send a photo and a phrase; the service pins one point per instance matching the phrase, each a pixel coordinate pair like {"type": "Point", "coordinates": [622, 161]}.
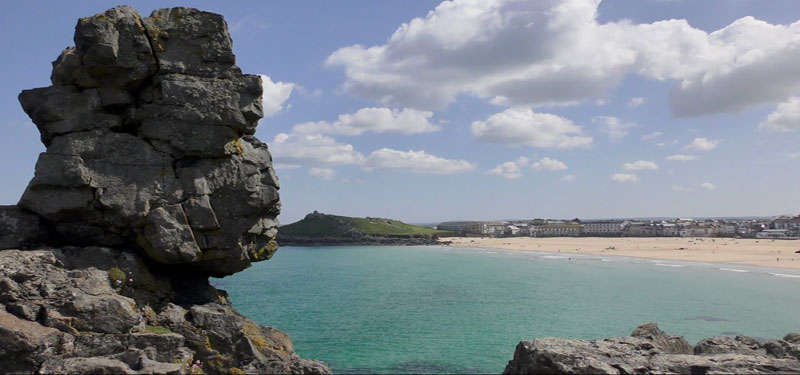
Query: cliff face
{"type": "Point", "coordinates": [152, 181]}
{"type": "Point", "coordinates": [648, 350]}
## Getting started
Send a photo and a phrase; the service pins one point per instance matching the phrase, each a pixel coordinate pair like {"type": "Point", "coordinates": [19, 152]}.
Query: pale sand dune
{"type": "Point", "coordinates": [757, 252]}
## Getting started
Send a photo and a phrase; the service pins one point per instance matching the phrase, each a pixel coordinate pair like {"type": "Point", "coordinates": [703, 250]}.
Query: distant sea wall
{"type": "Point", "coordinates": [360, 240]}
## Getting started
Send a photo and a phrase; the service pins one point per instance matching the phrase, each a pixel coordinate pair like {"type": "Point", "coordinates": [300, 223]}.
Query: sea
{"type": "Point", "coordinates": [439, 309]}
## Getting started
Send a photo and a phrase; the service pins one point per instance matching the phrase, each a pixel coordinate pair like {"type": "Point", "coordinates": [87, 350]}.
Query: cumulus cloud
{"type": "Point", "coordinates": [568, 178]}
{"type": "Point", "coordinates": [786, 117]}
{"type": "Point", "coordinates": [548, 164]}
{"type": "Point", "coordinates": [708, 185]}
{"type": "Point", "coordinates": [702, 144]}
{"type": "Point", "coordinates": [621, 178]}
{"type": "Point", "coordinates": [275, 95]}
{"type": "Point", "coordinates": [635, 102]}
{"type": "Point", "coordinates": [522, 52]}
{"type": "Point", "coordinates": [312, 149]}
{"type": "Point", "coordinates": [523, 126]}
{"type": "Point", "coordinates": [377, 120]}
{"type": "Point", "coordinates": [612, 126]}
{"type": "Point", "coordinates": [323, 173]}
{"type": "Point", "coordinates": [640, 165]}
{"type": "Point", "coordinates": [794, 155]}
{"type": "Point", "coordinates": [681, 157]}
{"type": "Point", "coordinates": [681, 188]}
{"type": "Point", "coordinates": [414, 161]}
{"type": "Point", "coordinates": [510, 170]}
{"type": "Point", "coordinates": [652, 135]}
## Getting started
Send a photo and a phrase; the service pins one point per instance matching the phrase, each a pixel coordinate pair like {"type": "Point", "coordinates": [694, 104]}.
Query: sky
{"type": "Point", "coordinates": [428, 111]}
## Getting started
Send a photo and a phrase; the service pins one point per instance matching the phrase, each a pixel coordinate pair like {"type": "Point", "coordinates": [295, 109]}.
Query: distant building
{"type": "Point", "coordinates": [558, 230]}
{"type": "Point", "coordinates": [773, 233]}
{"type": "Point", "coordinates": [459, 227]}
{"type": "Point", "coordinates": [638, 229]}
{"type": "Point", "coordinates": [602, 228]}
{"type": "Point", "coordinates": [670, 230]}
{"type": "Point", "coordinates": [792, 224]}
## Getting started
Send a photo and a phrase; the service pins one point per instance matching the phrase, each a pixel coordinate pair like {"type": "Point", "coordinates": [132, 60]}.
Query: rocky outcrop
{"type": "Point", "coordinates": [101, 310]}
{"type": "Point", "coordinates": [149, 130]}
{"type": "Point", "coordinates": [151, 182]}
{"type": "Point", "coordinates": [651, 351]}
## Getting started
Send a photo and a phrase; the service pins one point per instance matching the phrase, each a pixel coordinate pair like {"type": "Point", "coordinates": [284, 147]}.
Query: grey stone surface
{"type": "Point", "coordinates": [651, 351]}
{"type": "Point", "coordinates": [61, 312]}
{"type": "Point", "coordinates": [149, 131]}
{"type": "Point", "coordinates": [21, 229]}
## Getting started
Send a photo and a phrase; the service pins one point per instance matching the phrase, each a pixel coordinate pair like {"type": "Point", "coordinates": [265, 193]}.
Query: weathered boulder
{"type": "Point", "coordinates": [149, 131]}
{"type": "Point", "coordinates": [101, 310]}
{"type": "Point", "coordinates": [651, 351]}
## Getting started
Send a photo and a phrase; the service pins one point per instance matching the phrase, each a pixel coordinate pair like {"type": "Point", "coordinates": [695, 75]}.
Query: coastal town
{"type": "Point", "coordinates": [779, 227]}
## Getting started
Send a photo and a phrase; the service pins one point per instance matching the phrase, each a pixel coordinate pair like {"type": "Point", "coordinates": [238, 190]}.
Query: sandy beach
{"type": "Point", "coordinates": [756, 252]}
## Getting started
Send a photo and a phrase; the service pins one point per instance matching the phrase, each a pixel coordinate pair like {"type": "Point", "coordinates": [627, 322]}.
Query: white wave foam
{"type": "Point", "coordinates": [554, 257]}
{"type": "Point", "coordinates": [669, 265]}
{"type": "Point", "coordinates": [785, 275]}
{"type": "Point", "coordinates": [733, 270]}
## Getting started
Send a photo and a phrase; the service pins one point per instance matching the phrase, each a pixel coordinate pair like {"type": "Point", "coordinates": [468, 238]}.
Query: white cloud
{"type": "Point", "coordinates": [794, 155]}
{"type": "Point", "coordinates": [702, 144]}
{"type": "Point", "coordinates": [708, 185]}
{"type": "Point", "coordinates": [282, 166]}
{"type": "Point", "coordinates": [523, 126]}
{"type": "Point", "coordinates": [681, 188]}
{"type": "Point", "coordinates": [612, 126]}
{"type": "Point", "coordinates": [547, 164]}
{"type": "Point", "coordinates": [681, 157]}
{"type": "Point", "coordinates": [377, 120]}
{"type": "Point", "coordinates": [312, 149]}
{"type": "Point", "coordinates": [624, 177]}
{"type": "Point", "coordinates": [635, 102]}
{"type": "Point", "coordinates": [323, 173]}
{"type": "Point", "coordinates": [414, 161]}
{"type": "Point", "coordinates": [568, 178]}
{"type": "Point", "coordinates": [640, 165]}
{"type": "Point", "coordinates": [510, 170]}
{"type": "Point", "coordinates": [785, 118]}
{"type": "Point", "coordinates": [275, 95]}
{"type": "Point", "coordinates": [600, 102]}
{"type": "Point", "coordinates": [653, 135]}
{"type": "Point", "coordinates": [522, 52]}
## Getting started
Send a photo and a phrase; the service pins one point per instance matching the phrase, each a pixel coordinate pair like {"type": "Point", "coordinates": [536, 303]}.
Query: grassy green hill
{"type": "Point", "coordinates": [323, 225]}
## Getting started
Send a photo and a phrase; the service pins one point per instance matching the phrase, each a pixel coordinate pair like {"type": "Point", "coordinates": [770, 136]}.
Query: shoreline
{"type": "Point", "coordinates": [766, 253]}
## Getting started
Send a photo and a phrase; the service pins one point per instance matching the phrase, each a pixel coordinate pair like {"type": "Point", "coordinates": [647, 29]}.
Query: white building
{"type": "Point", "coordinates": [558, 230]}
{"type": "Point", "coordinates": [602, 228]}
{"type": "Point", "coordinates": [773, 233]}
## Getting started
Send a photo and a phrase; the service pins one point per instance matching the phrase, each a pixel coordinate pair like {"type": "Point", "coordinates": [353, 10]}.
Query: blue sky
{"type": "Point", "coordinates": [427, 111]}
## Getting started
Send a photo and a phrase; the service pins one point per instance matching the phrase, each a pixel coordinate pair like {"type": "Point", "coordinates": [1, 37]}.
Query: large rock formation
{"type": "Point", "coordinates": [651, 351]}
{"type": "Point", "coordinates": [152, 181]}
{"type": "Point", "coordinates": [149, 131]}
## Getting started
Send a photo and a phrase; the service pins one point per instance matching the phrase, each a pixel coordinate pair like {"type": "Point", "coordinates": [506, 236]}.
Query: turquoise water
{"type": "Point", "coordinates": [444, 310]}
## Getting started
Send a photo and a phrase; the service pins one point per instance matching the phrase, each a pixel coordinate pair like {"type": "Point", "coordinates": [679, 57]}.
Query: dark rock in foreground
{"type": "Point", "coordinates": [651, 351]}
{"type": "Point", "coordinates": [99, 310]}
